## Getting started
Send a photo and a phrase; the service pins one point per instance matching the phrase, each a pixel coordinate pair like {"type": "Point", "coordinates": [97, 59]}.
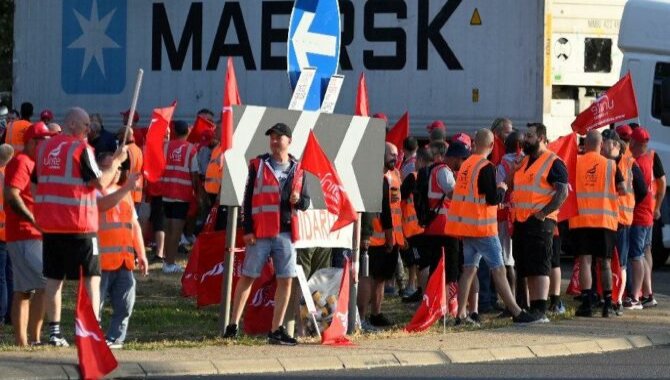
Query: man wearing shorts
{"type": "Point", "coordinates": [67, 213]}
{"type": "Point", "coordinates": [274, 190]}
{"type": "Point", "coordinates": [473, 217]}
{"type": "Point", "coordinates": [594, 228]}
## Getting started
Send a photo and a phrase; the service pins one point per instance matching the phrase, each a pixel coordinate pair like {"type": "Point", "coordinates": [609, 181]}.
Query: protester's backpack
{"type": "Point", "coordinates": [424, 213]}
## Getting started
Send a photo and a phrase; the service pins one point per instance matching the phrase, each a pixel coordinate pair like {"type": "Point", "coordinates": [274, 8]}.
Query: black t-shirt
{"type": "Point", "coordinates": [558, 173]}
{"type": "Point", "coordinates": [486, 184]}
{"type": "Point", "coordinates": [658, 167]}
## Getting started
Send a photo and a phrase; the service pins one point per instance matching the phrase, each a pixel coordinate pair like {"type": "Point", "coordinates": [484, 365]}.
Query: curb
{"type": "Point", "coordinates": [351, 361]}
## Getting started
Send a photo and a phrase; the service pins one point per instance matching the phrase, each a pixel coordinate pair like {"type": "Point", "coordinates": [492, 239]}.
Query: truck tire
{"type": "Point", "coordinates": [658, 251]}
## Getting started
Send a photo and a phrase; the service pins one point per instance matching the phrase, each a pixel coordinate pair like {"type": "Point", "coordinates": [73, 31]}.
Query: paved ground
{"type": "Point", "coordinates": [580, 336]}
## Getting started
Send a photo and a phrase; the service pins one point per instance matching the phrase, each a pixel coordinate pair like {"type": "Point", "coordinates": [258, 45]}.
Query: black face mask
{"type": "Point", "coordinates": [530, 149]}
{"type": "Point", "coordinates": [390, 165]}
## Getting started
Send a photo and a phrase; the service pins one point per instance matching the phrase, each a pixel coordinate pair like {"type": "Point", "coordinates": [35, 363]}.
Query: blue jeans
{"type": "Point", "coordinates": [6, 288]}
{"type": "Point", "coordinates": [488, 298]}
{"type": "Point", "coordinates": [119, 285]}
{"type": "Point", "coordinates": [623, 245]}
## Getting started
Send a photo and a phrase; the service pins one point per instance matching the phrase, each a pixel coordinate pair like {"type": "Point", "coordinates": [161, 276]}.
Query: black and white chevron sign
{"type": "Point", "coordinates": [354, 144]}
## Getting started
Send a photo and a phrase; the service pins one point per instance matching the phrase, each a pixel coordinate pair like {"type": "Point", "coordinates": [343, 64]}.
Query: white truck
{"type": "Point", "coordinates": [464, 62]}
{"type": "Point", "coordinates": [644, 39]}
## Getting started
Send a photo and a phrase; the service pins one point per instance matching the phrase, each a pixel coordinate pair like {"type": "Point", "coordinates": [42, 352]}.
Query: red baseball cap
{"type": "Point", "coordinates": [38, 130]}
{"type": "Point", "coordinates": [46, 115]}
{"type": "Point", "coordinates": [624, 132]}
{"type": "Point", "coordinates": [640, 135]}
{"type": "Point", "coordinates": [437, 124]}
{"type": "Point", "coordinates": [136, 116]}
{"type": "Point", "coordinates": [463, 138]}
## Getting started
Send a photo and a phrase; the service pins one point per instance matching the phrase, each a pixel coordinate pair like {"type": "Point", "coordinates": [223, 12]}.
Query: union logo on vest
{"type": "Point", "coordinates": [52, 161]}
{"type": "Point", "coordinates": [93, 54]}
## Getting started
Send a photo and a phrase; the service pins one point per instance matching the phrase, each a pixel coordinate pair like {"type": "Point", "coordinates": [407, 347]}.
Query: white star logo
{"type": "Point", "coordinates": [94, 37]}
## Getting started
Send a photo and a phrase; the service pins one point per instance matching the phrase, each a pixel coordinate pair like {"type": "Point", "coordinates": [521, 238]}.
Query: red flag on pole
{"type": "Point", "coordinates": [566, 148]}
{"type": "Point", "coordinates": [617, 104]}
{"type": "Point", "coordinates": [434, 303]}
{"type": "Point", "coordinates": [336, 333]}
{"type": "Point", "coordinates": [398, 134]}
{"type": "Point", "coordinates": [200, 127]}
{"type": "Point", "coordinates": [315, 161]}
{"type": "Point", "coordinates": [362, 106]}
{"type": "Point", "coordinates": [231, 97]}
{"type": "Point", "coordinates": [95, 358]}
{"type": "Point", "coordinates": [154, 156]}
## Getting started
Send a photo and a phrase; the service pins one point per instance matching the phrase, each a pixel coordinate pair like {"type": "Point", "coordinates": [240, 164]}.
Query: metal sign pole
{"type": "Point", "coordinates": [227, 288]}
{"type": "Point", "coordinates": [355, 270]}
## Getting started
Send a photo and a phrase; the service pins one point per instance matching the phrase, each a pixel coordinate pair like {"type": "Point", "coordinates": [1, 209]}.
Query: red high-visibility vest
{"type": "Point", "coordinates": [176, 180]}
{"type": "Point", "coordinates": [63, 202]}
{"type": "Point", "coordinates": [2, 205]}
{"type": "Point", "coordinates": [116, 237]}
{"type": "Point", "coordinates": [438, 226]}
{"type": "Point", "coordinates": [643, 215]}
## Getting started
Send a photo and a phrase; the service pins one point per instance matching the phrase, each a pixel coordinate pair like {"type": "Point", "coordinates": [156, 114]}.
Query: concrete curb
{"type": "Point", "coordinates": [351, 361]}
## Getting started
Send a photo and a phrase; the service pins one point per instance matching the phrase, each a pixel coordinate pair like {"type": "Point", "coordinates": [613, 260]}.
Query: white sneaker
{"type": "Point", "coordinates": [58, 341]}
{"type": "Point", "coordinates": [172, 268]}
{"type": "Point", "coordinates": [114, 344]}
{"type": "Point", "coordinates": [367, 327]}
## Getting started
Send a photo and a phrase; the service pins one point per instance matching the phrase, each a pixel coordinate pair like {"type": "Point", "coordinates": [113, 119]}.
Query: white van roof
{"type": "Point", "coordinates": [642, 27]}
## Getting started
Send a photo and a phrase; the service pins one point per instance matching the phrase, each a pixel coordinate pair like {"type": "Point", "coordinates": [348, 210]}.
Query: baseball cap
{"type": "Point", "coordinates": [280, 129]}
{"type": "Point", "coordinates": [624, 132]}
{"type": "Point", "coordinates": [458, 149]}
{"type": "Point", "coordinates": [437, 124]}
{"type": "Point", "coordinates": [640, 135]}
{"type": "Point", "coordinates": [38, 130]}
{"type": "Point", "coordinates": [462, 138]}
{"type": "Point", "coordinates": [46, 115]}
{"type": "Point", "coordinates": [136, 116]}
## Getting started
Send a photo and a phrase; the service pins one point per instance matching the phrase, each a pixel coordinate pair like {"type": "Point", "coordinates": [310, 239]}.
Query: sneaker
{"type": "Point", "coordinates": [648, 302]}
{"type": "Point", "coordinates": [155, 259]}
{"type": "Point", "coordinates": [525, 317]}
{"type": "Point", "coordinates": [367, 327]}
{"type": "Point", "coordinates": [618, 309]}
{"type": "Point", "coordinates": [475, 317]}
{"type": "Point", "coordinates": [541, 317]}
{"type": "Point", "coordinates": [632, 304]}
{"type": "Point", "coordinates": [467, 321]}
{"type": "Point", "coordinates": [36, 344]}
{"type": "Point", "coordinates": [607, 311]}
{"type": "Point", "coordinates": [417, 296]}
{"type": "Point", "coordinates": [389, 290]}
{"type": "Point", "coordinates": [280, 337]}
{"type": "Point", "coordinates": [557, 308]}
{"type": "Point", "coordinates": [58, 341]}
{"type": "Point", "coordinates": [190, 239]}
{"type": "Point", "coordinates": [231, 332]}
{"type": "Point", "coordinates": [505, 314]}
{"type": "Point", "coordinates": [584, 311]}
{"type": "Point", "coordinates": [380, 320]}
{"type": "Point", "coordinates": [172, 268]}
{"type": "Point", "coordinates": [182, 240]}
{"type": "Point", "coordinates": [114, 344]}
{"type": "Point", "coordinates": [407, 292]}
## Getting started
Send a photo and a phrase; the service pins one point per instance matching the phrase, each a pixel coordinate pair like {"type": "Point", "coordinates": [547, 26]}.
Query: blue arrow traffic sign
{"type": "Point", "coordinates": [314, 41]}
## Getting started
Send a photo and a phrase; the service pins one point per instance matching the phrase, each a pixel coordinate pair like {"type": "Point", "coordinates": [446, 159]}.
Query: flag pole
{"type": "Point", "coordinates": [227, 286]}
{"type": "Point", "coordinates": [133, 105]}
{"type": "Point", "coordinates": [355, 269]}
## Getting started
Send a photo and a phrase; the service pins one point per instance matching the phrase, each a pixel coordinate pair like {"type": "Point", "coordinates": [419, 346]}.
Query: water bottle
{"type": "Point", "coordinates": [365, 269]}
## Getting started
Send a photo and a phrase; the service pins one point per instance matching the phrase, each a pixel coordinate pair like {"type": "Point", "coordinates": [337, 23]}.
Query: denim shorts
{"type": "Point", "coordinates": [623, 244]}
{"type": "Point", "coordinates": [283, 255]}
{"type": "Point", "coordinates": [474, 249]}
{"type": "Point", "coordinates": [640, 240]}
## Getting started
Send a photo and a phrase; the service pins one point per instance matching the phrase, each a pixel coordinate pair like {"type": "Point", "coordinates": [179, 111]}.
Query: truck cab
{"type": "Point", "coordinates": [644, 39]}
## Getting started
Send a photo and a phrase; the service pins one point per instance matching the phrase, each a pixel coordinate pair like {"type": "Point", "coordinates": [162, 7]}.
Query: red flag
{"type": "Point", "coordinates": [261, 304]}
{"type": "Point", "coordinates": [200, 127]}
{"type": "Point", "coordinates": [362, 106]}
{"type": "Point", "coordinates": [154, 156]}
{"type": "Point", "coordinates": [498, 150]}
{"type": "Point", "coordinates": [574, 288]}
{"type": "Point", "coordinates": [398, 134]}
{"type": "Point", "coordinates": [315, 161]}
{"type": "Point", "coordinates": [231, 97]}
{"type": "Point", "coordinates": [336, 333]}
{"type": "Point", "coordinates": [434, 303]}
{"type": "Point", "coordinates": [617, 104]}
{"type": "Point", "coordinates": [566, 148]}
{"type": "Point", "coordinates": [95, 358]}
{"type": "Point", "coordinates": [212, 264]}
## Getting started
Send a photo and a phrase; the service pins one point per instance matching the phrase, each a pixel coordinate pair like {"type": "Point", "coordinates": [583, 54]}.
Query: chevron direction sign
{"type": "Point", "coordinates": [354, 144]}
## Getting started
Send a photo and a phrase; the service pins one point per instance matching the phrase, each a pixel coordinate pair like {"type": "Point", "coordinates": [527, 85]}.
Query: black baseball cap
{"type": "Point", "coordinates": [458, 150]}
{"type": "Point", "coordinates": [280, 129]}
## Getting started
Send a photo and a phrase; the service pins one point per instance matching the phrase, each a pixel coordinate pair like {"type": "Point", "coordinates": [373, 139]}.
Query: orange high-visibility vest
{"type": "Point", "coordinates": [410, 222]}
{"type": "Point", "coordinates": [214, 171]}
{"type": "Point", "coordinates": [596, 193]}
{"type": "Point", "coordinates": [116, 237]}
{"type": "Point", "coordinates": [469, 214]}
{"type": "Point", "coordinates": [438, 226]}
{"type": "Point", "coordinates": [63, 201]}
{"type": "Point", "coordinates": [136, 164]}
{"type": "Point", "coordinates": [627, 201]}
{"type": "Point", "coordinates": [378, 237]}
{"type": "Point", "coordinates": [2, 205]}
{"type": "Point", "coordinates": [176, 180]}
{"type": "Point", "coordinates": [531, 191]}
{"type": "Point", "coordinates": [15, 132]}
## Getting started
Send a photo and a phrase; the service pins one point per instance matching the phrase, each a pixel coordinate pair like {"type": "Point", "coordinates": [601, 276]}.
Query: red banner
{"type": "Point", "coordinates": [434, 303]}
{"type": "Point", "coordinates": [336, 333]}
{"type": "Point", "coordinates": [200, 129]}
{"type": "Point", "coordinates": [566, 148]}
{"type": "Point", "coordinates": [362, 106]}
{"type": "Point", "coordinates": [617, 104]}
{"type": "Point", "coordinates": [154, 156]}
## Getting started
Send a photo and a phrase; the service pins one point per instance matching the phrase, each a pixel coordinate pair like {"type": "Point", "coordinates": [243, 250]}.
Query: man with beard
{"type": "Point", "coordinates": [540, 188]}
{"type": "Point", "coordinates": [385, 243]}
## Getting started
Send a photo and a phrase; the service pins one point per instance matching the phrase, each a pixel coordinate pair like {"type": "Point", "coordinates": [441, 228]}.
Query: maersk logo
{"type": "Point", "coordinates": [94, 46]}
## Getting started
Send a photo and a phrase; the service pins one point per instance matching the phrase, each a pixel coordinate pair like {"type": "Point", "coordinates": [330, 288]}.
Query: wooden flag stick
{"type": "Point", "coordinates": [133, 105]}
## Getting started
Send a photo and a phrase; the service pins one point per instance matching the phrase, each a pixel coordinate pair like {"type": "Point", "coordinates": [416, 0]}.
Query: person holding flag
{"type": "Point", "coordinates": [540, 188]}
{"type": "Point", "coordinates": [269, 200]}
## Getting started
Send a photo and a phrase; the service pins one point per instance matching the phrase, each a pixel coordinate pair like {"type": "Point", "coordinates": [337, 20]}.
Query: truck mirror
{"type": "Point", "coordinates": [665, 101]}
